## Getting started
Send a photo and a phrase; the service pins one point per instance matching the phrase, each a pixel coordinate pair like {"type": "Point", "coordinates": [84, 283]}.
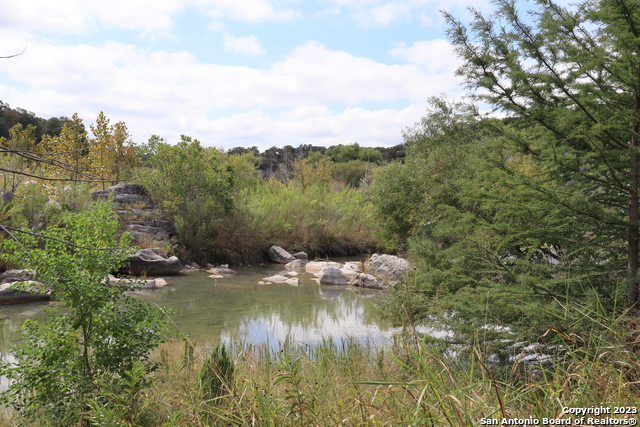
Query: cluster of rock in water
{"type": "Point", "coordinates": [378, 272]}
{"type": "Point", "coordinates": [135, 207]}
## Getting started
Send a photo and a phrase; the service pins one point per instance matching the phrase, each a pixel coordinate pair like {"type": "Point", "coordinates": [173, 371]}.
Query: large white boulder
{"type": "Point", "coordinates": [388, 268]}
{"type": "Point", "coordinates": [333, 276]}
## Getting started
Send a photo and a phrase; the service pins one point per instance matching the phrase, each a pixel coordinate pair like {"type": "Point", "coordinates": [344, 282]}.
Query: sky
{"type": "Point", "coordinates": [233, 72]}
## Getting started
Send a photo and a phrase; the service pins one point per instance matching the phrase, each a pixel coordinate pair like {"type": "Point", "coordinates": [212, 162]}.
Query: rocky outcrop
{"type": "Point", "coordinates": [125, 194]}
{"type": "Point", "coordinates": [31, 292]}
{"type": "Point", "coordinates": [332, 276]}
{"type": "Point", "coordinates": [351, 270]}
{"type": "Point", "coordinates": [278, 255]}
{"type": "Point", "coordinates": [147, 262]}
{"type": "Point", "coordinates": [155, 229]}
{"type": "Point", "coordinates": [388, 268]}
{"type": "Point", "coordinates": [134, 205]}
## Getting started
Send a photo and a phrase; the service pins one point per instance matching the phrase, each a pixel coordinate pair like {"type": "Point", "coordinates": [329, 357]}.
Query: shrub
{"type": "Point", "coordinates": [100, 334]}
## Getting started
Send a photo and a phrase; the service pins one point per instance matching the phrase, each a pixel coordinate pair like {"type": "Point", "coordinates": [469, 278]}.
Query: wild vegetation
{"type": "Point", "coordinates": [523, 226]}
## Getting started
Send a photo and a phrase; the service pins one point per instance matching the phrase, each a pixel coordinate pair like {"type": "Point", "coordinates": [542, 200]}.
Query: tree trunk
{"type": "Point", "coordinates": [632, 251]}
{"type": "Point", "coordinates": [632, 248]}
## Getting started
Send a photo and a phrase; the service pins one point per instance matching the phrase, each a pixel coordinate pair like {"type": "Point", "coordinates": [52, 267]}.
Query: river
{"type": "Point", "coordinates": [237, 308]}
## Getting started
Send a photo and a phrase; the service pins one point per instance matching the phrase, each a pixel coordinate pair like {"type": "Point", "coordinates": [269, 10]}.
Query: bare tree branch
{"type": "Point", "coordinates": [13, 56]}
{"type": "Point", "coordinates": [6, 228]}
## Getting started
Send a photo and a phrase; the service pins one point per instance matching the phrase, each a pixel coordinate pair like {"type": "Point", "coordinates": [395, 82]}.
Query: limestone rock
{"type": "Point", "coordinates": [278, 278]}
{"type": "Point", "coordinates": [279, 255]}
{"type": "Point", "coordinates": [294, 281]}
{"type": "Point", "coordinates": [302, 256]}
{"type": "Point", "coordinates": [125, 194]}
{"type": "Point", "coordinates": [296, 263]}
{"type": "Point", "coordinates": [137, 283]}
{"type": "Point", "coordinates": [332, 276]}
{"type": "Point", "coordinates": [8, 295]}
{"type": "Point", "coordinates": [351, 270]}
{"type": "Point", "coordinates": [32, 289]}
{"type": "Point", "coordinates": [221, 270]}
{"type": "Point", "coordinates": [160, 282]}
{"type": "Point", "coordinates": [11, 276]}
{"type": "Point", "coordinates": [314, 267]}
{"type": "Point", "coordinates": [365, 280]}
{"type": "Point", "coordinates": [388, 268]}
{"type": "Point", "coordinates": [146, 261]}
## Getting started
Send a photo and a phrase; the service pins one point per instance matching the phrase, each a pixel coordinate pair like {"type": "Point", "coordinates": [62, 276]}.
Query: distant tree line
{"type": "Point", "coordinates": [278, 162]}
{"type": "Point", "coordinates": [9, 117]}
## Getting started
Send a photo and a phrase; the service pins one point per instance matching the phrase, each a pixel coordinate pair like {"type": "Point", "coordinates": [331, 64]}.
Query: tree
{"type": "Point", "coordinates": [84, 349]}
{"type": "Point", "coordinates": [309, 173]}
{"type": "Point", "coordinates": [490, 251]}
{"type": "Point", "coordinates": [70, 147]}
{"type": "Point", "coordinates": [194, 185]}
{"type": "Point", "coordinates": [570, 78]}
{"type": "Point", "coordinates": [111, 151]}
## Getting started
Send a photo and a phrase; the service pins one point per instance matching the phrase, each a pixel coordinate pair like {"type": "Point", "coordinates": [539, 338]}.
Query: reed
{"type": "Point", "coordinates": [349, 382]}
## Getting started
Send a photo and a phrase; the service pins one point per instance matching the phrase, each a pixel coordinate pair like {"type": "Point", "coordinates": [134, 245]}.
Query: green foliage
{"type": "Point", "coordinates": [569, 80]}
{"type": "Point", "coordinates": [407, 196]}
{"type": "Point", "coordinates": [194, 185]}
{"type": "Point", "coordinates": [489, 246]}
{"type": "Point", "coordinates": [245, 175]}
{"type": "Point", "coordinates": [353, 173]}
{"type": "Point", "coordinates": [97, 337]}
{"type": "Point", "coordinates": [216, 374]}
{"type": "Point", "coordinates": [121, 401]}
{"type": "Point", "coordinates": [319, 221]}
{"type": "Point", "coordinates": [29, 205]}
{"type": "Point", "coordinates": [345, 153]}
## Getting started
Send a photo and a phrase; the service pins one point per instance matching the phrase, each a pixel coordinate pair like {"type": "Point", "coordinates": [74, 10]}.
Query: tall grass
{"type": "Point", "coordinates": [352, 383]}
{"type": "Point", "coordinates": [318, 219]}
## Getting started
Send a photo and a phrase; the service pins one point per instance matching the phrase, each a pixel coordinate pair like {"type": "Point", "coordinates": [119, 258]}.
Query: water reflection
{"type": "Point", "coordinates": [236, 308]}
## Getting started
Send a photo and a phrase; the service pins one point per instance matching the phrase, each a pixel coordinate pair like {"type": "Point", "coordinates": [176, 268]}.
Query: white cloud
{"type": "Point", "coordinates": [246, 45]}
{"type": "Point", "coordinates": [305, 125]}
{"type": "Point", "coordinates": [374, 13]}
{"type": "Point", "coordinates": [146, 16]}
{"type": "Point", "coordinates": [82, 16]}
{"type": "Point", "coordinates": [248, 11]}
{"type": "Point", "coordinates": [434, 56]}
{"type": "Point", "coordinates": [174, 93]}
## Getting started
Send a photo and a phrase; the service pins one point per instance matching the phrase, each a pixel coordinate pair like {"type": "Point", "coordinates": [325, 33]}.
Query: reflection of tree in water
{"type": "Point", "coordinates": [230, 308]}
{"type": "Point", "coordinates": [211, 310]}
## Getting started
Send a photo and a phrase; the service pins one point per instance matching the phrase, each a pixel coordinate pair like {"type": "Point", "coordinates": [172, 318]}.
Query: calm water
{"type": "Point", "coordinates": [237, 308]}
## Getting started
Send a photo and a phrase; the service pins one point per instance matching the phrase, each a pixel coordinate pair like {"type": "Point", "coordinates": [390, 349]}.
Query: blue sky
{"type": "Point", "coordinates": [233, 73]}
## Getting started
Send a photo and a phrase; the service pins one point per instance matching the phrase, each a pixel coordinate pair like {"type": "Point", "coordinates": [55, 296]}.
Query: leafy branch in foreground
{"type": "Point", "coordinates": [68, 361]}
